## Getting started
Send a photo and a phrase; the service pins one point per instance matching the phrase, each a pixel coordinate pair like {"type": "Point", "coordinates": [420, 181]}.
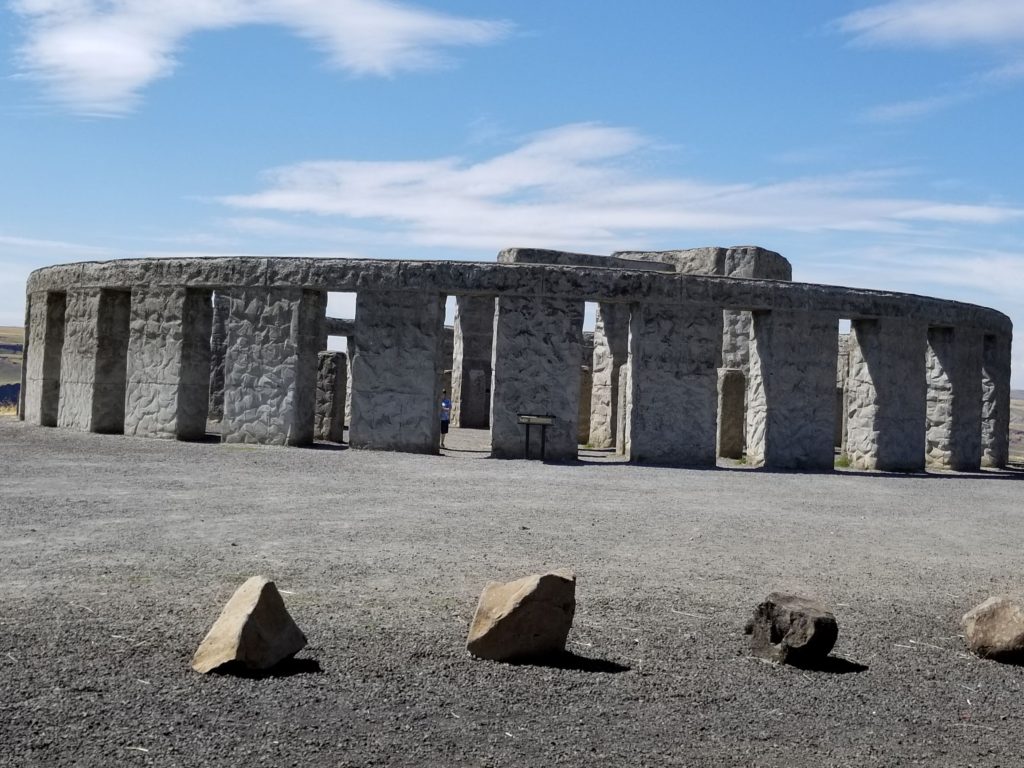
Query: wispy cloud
{"type": "Point", "coordinates": [902, 111]}
{"type": "Point", "coordinates": [938, 22]}
{"type": "Point", "coordinates": [96, 56]}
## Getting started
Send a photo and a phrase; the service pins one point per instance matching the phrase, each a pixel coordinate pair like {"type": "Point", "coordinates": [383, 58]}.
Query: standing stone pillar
{"type": "Point", "coordinates": [471, 367]}
{"type": "Point", "coordinates": [536, 368]}
{"type": "Point", "coordinates": [218, 349]}
{"type": "Point", "coordinates": [350, 346]}
{"type": "Point", "coordinates": [995, 401]}
{"type": "Point", "coordinates": [954, 398]}
{"type": "Point", "coordinates": [44, 344]}
{"type": "Point", "coordinates": [886, 395]}
{"type": "Point", "coordinates": [168, 363]}
{"type": "Point", "coordinates": [732, 399]}
{"type": "Point", "coordinates": [611, 351]}
{"type": "Point", "coordinates": [331, 388]}
{"type": "Point", "coordinates": [673, 396]}
{"type": "Point", "coordinates": [94, 360]}
{"type": "Point", "coordinates": [273, 336]}
{"type": "Point", "coordinates": [791, 392]}
{"type": "Point", "coordinates": [396, 371]}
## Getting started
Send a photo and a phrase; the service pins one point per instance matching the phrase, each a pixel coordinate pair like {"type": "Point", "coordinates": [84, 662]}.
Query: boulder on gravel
{"type": "Point", "coordinates": [995, 629]}
{"type": "Point", "coordinates": [791, 629]}
{"type": "Point", "coordinates": [524, 619]}
{"type": "Point", "coordinates": [254, 631]}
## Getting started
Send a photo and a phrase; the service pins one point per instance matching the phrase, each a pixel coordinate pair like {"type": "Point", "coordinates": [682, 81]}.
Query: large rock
{"type": "Point", "coordinates": [792, 629]}
{"type": "Point", "coordinates": [526, 618]}
{"type": "Point", "coordinates": [254, 630]}
{"type": "Point", "coordinates": [995, 629]}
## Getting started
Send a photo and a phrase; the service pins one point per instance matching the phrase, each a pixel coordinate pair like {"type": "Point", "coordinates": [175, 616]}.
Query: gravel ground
{"type": "Point", "coordinates": [116, 555]}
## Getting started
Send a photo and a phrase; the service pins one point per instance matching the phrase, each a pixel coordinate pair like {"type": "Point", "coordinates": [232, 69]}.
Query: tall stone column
{"type": "Point", "coordinates": [44, 344]}
{"type": "Point", "coordinates": [995, 401]}
{"type": "Point", "coordinates": [611, 351]}
{"type": "Point", "coordinates": [471, 367]}
{"type": "Point", "coordinates": [396, 371]}
{"type": "Point", "coordinates": [94, 360]}
{"type": "Point", "coordinates": [886, 395]}
{"type": "Point", "coordinates": [673, 397]}
{"type": "Point", "coordinates": [273, 336]}
{"type": "Point", "coordinates": [218, 349]}
{"type": "Point", "coordinates": [536, 368]}
{"type": "Point", "coordinates": [954, 398]}
{"type": "Point", "coordinates": [732, 399]}
{"type": "Point", "coordinates": [331, 388]}
{"type": "Point", "coordinates": [791, 391]}
{"type": "Point", "coordinates": [168, 363]}
{"type": "Point", "coordinates": [350, 346]}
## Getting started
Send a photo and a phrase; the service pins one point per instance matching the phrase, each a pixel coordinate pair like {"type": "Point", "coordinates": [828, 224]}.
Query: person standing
{"type": "Point", "coordinates": [446, 414]}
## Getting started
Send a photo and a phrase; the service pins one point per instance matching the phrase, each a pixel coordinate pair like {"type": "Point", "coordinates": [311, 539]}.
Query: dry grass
{"type": "Point", "coordinates": [8, 409]}
{"type": "Point", "coordinates": [12, 334]}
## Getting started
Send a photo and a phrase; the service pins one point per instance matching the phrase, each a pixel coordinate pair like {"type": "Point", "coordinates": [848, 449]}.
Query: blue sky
{"type": "Point", "coordinates": [874, 144]}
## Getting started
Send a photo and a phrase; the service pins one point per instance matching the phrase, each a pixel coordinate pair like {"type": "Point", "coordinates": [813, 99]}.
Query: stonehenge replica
{"type": "Point", "coordinates": [696, 354]}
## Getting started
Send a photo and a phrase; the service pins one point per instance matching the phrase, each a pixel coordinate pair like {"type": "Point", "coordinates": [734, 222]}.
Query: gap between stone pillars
{"type": "Point", "coordinates": [954, 398]}
{"type": "Point", "coordinates": [672, 399]}
{"type": "Point", "coordinates": [471, 364]}
{"type": "Point", "coordinates": [44, 337]}
{"type": "Point", "coordinates": [273, 335]}
{"type": "Point", "coordinates": [791, 390]}
{"type": "Point", "coordinates": [396, 362]}
{"type": "Point", "coordinates": [886, 395]}
{"type": "Point", "coordinates": [995, 401]}
{"type": "Point", "coordinates": [93, 362]}
{"type": "Point", "coordinates": [732, 400]}
{"type": "Point", "coordinates": [536, 370]}
{"type": "Point", "coordinates": [169, 363]}
{"type": "Point", "coordinates": [611, 351]}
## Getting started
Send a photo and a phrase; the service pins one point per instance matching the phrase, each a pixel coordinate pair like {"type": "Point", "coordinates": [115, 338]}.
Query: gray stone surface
{"type": "Point", "coordinates": [732, 396]}
{"type": "Point", "coordinates": [995, 401]}
{"type": "Point", "coordinates": [471, 365]}
{"type": "Point", "coordinates": [536, 367]}
{"type": "Point", "coordinates": [611, 351]}
{"type": "Point", "coordinates": [43, 348]}
{"type": "Point", "coordinates": [673, 395]}
{"type": "Point", "coordinates": [994, 629]}
{"type": "Point", "coordinates": [397, 362]}
{"type": "Point", "coordinates": [168, 369]}
{"type": "Point", "coordinates": [954, 373]}
{"type": "Point", "coordinates": [886, 396]}
{"type": "Point", "coordinates": [331, 389]}
{"type": "Point", "coordinates": [791, 392]}
{"type": "Point", "coordinates": [218, 350]}
{"type": "Point", "coordinates": [270, 368]}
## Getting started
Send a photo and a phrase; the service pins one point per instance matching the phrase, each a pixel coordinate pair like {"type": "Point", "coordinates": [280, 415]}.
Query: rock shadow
{"type": "Point", "coordinates": [832, 665]}
{"type": "Point", "coordinates": [286, 668]}
{"type": "Point", "coordinates": [572, 661]}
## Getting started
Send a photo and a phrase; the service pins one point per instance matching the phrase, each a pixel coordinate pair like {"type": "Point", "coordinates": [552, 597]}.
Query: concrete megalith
{"type": "Point", "coordinates": [994, 629]}
{"type": "Point", "coordinates": [331, 386]}
{"type": "Point", "coordinates": [254, 631]}
{"type": "Point", "coordinates": [791, 629]}
{"type": "Point", "coordinates": [527, 618]}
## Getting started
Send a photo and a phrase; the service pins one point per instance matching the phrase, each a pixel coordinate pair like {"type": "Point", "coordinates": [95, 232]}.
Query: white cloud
{"type": "Point", "coordinates": [96, 56]}
{"type": "Point", "coordinates": [938, 22]}
{"type": "Point", "coordinates": [903, 111]}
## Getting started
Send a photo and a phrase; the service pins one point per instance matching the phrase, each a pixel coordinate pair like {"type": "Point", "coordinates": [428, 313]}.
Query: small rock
{"type": "Point", "coordinates": [526, 618]}
{"type": "Point", "coordinates": [254, 630]}
{"type": "Point", "coordinates": [792, 629]}
{"type": "Point", "coordinates": [995, 629]}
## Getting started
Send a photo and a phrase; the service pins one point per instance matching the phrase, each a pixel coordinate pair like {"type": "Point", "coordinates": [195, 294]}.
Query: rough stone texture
{"type": "Point", "coordinates": [94, 359]}
{"type": "Point", "coordinates": [886, 395]}
{"type": "Point", "coordinates": [586, 391]}
{"type": "Point", "coordinates": [673, 395]}
{"type": "Point", "coordinates": [350, 345]}
{"type": "Point", "coordinates": [331, 388]}
{"type": "Point", "coordinates": [168, 369]}
{"type": "Point", "coordinates": [447, 359]}
{"type": "Point", "coordinates": [270, 365]}
{"type": "Point", "coordinates": [791, 392]}
{"type": "Point", "coordinates": [842, 374]}
{"type": "Point", "coordinates": [218, 351]}
{"type": "Point", "coordinates": [536, 367]}
{"type": "Point", "coordinates": [792, 630]}
{"type": "Point", "coordinates": [611, 351]}
{"type": "Point", "coordinates": [397, 363]}
{"type": "Point", "coordinates": [44, 343]}
{"type": "Point", "coordinates": [524, 619]}
{"type": "Point", "coordinates": [254, 631]}
{"type": "Point", "coordinates": [732, 396]}
{"type": "Point", "coordinates": [954, 365]}
{"type": "Point", "coordinates": [995, 629]}
{"type": "Point", "coordinates": [995, 401]}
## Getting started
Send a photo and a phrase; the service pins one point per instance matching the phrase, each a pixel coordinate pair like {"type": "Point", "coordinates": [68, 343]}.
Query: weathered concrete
{"type": "Point", "coordinates": [673, 395]}
{"type": "Point", "coordinates": [331, 389]}
{"type": "Point", "coordinates": [270, 368]}
{"type": "Point", "coordinates": [44, 344]}
{"type": "Point", "coordinates": [536, 367]}
{"type": "Point", "coordinates": [732, 397]}
{"type": "Point", "coordinates": [218, 350]}
{"type": "Point", "coordinates": [954, 398]}
{"type": "Point", "coordinates": [791, 390]}
{"type": "Point", "coordinates": [93, 361]}
{"type": "Point", "coordinates": [397, 362]}
{"type": "Point", "coordinates": [842, 374]}
{"type": "Point", "coordinates": [168, 368]}
{"type": "Point", "coordinates": [995, 401]}
{"type": "Point", "coordinates": [471, 364]}
{"type": "Point", "coordinates": [611, 351]}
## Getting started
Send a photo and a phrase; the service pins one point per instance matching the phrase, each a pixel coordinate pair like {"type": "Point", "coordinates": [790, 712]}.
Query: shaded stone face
{"type": "Point", "coordinates": [331, 387]}
{"type": "Point", "coordinates": [792, 629]}
{"type": "Point", "coordinates": [954, 375]}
